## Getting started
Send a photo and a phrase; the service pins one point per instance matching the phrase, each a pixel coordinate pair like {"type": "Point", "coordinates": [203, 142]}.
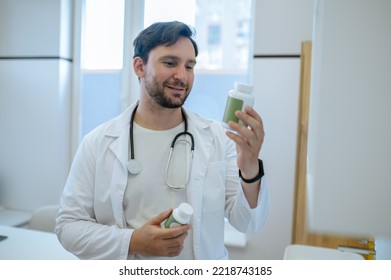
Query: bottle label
{"type": "Point", "coordinates": [233, 105]}
{"type": "Point", "coordinates": [174, 225]}
{"type": "Point", "coordinates": [171, 222]}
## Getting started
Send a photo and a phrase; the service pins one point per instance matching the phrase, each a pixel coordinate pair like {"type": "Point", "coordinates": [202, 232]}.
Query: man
{"type": "Point", "coordinates": [120, 188]}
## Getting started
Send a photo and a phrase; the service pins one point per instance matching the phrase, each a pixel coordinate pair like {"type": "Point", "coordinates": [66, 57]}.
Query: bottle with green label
{"type": "Point", "coordinates": [237, 100]}
{"type": "Point", "coordinates": [179, 216]}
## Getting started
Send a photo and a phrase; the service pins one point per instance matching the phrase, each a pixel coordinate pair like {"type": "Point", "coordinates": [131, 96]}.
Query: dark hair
{"type": "Point", "coordinates": [161, 33]}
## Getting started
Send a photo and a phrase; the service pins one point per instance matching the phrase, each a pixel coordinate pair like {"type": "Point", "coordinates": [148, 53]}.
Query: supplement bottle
{"type": "Point", "coordinates": [237, 100]}
{"type": "Point", "coordinates": [179, 216]}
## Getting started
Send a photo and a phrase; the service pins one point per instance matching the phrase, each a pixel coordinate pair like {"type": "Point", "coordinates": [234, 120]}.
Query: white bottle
{"type": "Point", "coordinates": [237, 100]}
{"type": "Point", "coordinates": [179, 216]}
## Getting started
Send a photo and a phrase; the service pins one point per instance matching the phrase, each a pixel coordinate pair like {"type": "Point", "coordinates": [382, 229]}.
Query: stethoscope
{"type": "Point", "coordinates": [134, 167]}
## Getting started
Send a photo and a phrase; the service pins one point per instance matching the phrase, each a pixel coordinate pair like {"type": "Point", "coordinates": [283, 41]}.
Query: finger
{"type": "Point", "coordinates": [175, 250]}
{"type": "Point", "coordinates": [253, 121]}
{"type": "Point", "coordinates": [176, 245]}
{"type": "Point", "coordinates": [249, 115]}
{"type": "Point", "coordinates": [257, 126]}
{"type": "Point", "coordinates": [160, 218]}
{"type": "Point", "coordinates": [253, 113]}
{"type": "Point", "coordinates": [242, 134]}
{"type": "Point", "coordinates": [237, 137]}
{"type": "Point", "coordinates": [176, 232]}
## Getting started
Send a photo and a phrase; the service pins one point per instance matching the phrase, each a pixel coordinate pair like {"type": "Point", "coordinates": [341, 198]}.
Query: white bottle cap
{"type": "Point", "coordinates": [184, 213]}
{"type": "Point", "coordinates": [243, 87]}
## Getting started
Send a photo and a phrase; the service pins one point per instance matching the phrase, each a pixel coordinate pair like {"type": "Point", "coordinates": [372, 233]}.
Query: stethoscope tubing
{"type": "Point", "coordinates": [135, 168]}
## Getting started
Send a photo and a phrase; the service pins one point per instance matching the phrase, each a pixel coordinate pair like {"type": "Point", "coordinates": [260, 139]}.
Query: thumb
{"type": "Point", "coordinates": [160, 218]}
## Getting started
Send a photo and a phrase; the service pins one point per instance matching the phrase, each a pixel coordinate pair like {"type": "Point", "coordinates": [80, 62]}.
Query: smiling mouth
{"type": "Point", "coordinates": [176, 88]}
{"type": "Point", "coordinates": [177, 91]}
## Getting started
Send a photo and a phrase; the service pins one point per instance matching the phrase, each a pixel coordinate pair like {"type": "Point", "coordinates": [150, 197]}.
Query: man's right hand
{"type": "Point", "coordinates": [153, 240]}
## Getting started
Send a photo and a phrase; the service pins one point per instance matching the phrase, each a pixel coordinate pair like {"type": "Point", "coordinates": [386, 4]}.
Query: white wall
{"type": "Point", "coordinates": [35, 71]}
{"type": "Point", "coordinates": [280, 27]}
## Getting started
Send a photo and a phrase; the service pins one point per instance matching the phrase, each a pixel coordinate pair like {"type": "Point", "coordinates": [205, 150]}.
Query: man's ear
{"type": "Point", "coordinates": [138, 67]}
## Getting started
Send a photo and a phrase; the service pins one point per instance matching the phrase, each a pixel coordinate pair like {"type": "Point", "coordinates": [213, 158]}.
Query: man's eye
{"type": "Point", "coordinates": [169, 63]}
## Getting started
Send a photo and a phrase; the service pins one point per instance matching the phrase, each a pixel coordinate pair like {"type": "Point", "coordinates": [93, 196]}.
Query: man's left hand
{"type": "Point", "coordinates": [249, 138]}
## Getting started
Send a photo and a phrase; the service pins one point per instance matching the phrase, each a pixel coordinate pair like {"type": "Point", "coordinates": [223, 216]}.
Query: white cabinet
{"type": "Point", "coordinates": [35, 96]}
{"type": "Point", "coordinates": [35, 125]}
{"type": "Point", "coordinates": [349, 151]}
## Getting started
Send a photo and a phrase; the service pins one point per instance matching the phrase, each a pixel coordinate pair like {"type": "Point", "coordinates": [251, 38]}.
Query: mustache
{"type": "Point", "coordinates": [176, 84]}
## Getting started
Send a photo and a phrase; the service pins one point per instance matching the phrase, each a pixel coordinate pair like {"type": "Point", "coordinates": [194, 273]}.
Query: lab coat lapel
{"type": "Point", "coordinates": [119, 147]}
{"type": "Point", "coordinates": [119, 177]}
{"type": "Point", "coordinates": [203, 142]}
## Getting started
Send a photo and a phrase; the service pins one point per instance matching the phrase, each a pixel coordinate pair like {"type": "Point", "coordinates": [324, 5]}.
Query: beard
{"type": "Point", "coordinates": [157, 94]}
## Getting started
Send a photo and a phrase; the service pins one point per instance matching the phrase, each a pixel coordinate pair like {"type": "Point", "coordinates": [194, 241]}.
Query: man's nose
{"type": "Point", "coordinates": [180, 74]}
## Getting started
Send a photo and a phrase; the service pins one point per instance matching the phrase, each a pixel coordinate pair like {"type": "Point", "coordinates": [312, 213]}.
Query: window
{"type": "Point", "coordinates": [101, 61]}
{"type": "Point", "coordinates": [104, 33]}
{"type": "Point", "coordinates": [214, 35]}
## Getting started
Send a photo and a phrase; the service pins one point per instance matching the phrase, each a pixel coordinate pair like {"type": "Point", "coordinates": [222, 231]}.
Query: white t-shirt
{"type": "Point", "coordinates": [147, 193]}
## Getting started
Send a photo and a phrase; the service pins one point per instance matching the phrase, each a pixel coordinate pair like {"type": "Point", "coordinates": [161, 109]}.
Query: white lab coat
{"type": "Point", "coordinates": [91, 222]}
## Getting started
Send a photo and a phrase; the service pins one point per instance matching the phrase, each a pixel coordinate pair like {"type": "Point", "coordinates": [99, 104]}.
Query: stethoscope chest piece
{"type": "Point", "coordinates": [133, 167]}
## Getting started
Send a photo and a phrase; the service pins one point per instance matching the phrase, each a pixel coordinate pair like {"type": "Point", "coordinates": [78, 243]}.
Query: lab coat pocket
{"type": "Point", "coordinates": [214, 187]}
{"type": "Point", "coordinates": [213, 204]}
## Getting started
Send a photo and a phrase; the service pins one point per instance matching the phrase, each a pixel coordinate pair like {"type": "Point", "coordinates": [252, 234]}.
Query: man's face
{"type": "Point", "coordinates": [169, 73]}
